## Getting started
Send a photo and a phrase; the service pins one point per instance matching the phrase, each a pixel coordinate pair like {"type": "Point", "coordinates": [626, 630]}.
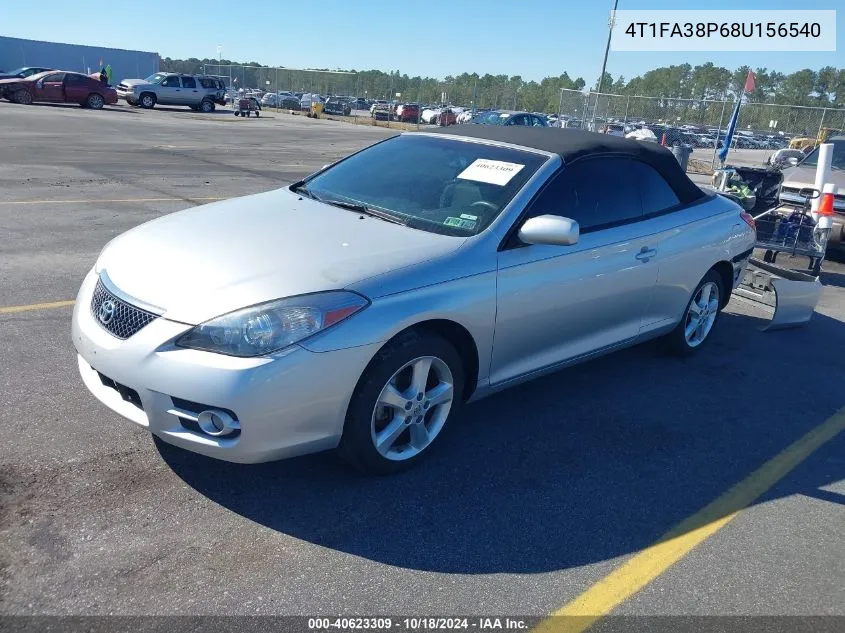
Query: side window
{"type": "Point", "coordinates": [655, 192]}
{"type": "Point", "coordinates": [206, 83]}
{"type": "Point", "coordinates": [598, 193]}
{"type": "Point", "coordinates": [188, 82]}
{"type": "Point", "coordinates": [75, 80]}
{"type": "Point", "coordinates": [519, 119]}
{"type": "Point", "coordinates": [537, 121]}
{"type": "Point", "coordinates": [170, 82]}
{"type": "Point", "coordinates": [55, 77]}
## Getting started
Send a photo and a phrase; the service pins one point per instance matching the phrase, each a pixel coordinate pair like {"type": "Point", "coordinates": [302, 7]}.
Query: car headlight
{"type": "Point", "coordinates": [269, 327]}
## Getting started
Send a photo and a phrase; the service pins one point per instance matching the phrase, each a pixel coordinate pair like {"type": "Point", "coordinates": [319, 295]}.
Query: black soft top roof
{"type": "Point", "coordinates": [574, 144]}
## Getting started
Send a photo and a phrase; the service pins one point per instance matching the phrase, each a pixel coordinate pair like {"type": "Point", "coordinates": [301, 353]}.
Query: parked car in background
{"type": "Point", "coordinates": [23, 73]}
{"type": "Point", "coordinates": [518, 253]}
{"type": "Point", "coordinates": [270, 100]}
{"type": "Point", "coordinates": [381, 110]}
{"type": "Point", "coordinates": [197, 92]}
{"type": "Point", "coordinates": [58, 87]}
{"type": "Point", "coordinates": [338, 105]}
{"type": "Point", "coordinates": [466, 116]}
{"type": "Point", "coordinates": [613, 129]}
{"type": "Point", "coordinates": [290, 102]}
{"type": "Point", "coordinates": [360, 104]}
{"type": "Point", "coordinates": [308, 98]}
{"type": "Point", "coordinates": [408, 112]}
{"type": "Point", "coordinates": [509, 117]}
{"type": "Point", "coordinates": [804, 176]}
{"type": "Point", "coordinates": [377, 103]}
{"type": "Point", "coordinates": [445, 117]}
{"type": "Point", "coordinates": [785, 157]}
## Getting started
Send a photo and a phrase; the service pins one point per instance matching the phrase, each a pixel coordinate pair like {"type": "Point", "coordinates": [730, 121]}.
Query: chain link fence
{"type": "Point", "coordinates": [597, 109]}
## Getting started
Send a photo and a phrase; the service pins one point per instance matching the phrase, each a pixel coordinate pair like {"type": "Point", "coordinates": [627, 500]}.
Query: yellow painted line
{"type": "Point", "coordinates": [639, 570]}
{"type": "Point", "coordinates": [36, 306]}
{"type": "Point", "coordinates": [121, 200]}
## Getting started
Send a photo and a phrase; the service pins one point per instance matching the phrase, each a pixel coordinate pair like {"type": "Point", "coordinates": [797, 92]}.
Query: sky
{"type": "Point", "coordinates": [435, 38]}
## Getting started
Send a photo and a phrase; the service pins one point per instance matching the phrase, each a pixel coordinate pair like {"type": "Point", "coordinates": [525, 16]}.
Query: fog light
{"type": "Point", "coordinates": [217, 423]}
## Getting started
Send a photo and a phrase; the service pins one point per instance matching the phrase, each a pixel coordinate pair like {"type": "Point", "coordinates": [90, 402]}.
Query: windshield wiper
{"type": "Point", "coordinates": [361, 208]}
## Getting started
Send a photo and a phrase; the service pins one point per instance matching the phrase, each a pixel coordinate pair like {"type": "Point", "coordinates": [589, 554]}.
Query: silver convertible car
{"type": "Point", "coordinates": [359, 308]}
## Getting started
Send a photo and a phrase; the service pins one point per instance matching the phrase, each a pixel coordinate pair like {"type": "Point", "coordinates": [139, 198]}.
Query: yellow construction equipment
{"type": "Point", "coordinates": [804, 142]}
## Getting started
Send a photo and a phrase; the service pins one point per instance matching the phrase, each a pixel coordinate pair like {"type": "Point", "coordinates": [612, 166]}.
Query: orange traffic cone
{"type": "Point", "coordinates": [826, 205]}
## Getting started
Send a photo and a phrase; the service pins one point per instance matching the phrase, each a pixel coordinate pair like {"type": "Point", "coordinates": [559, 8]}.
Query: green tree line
{"type": "Point", "coordinates": [821, 88]}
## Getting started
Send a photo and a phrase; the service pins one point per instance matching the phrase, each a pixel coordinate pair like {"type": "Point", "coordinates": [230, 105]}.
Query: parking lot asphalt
{"type": "Point", "coordinates": [536, 494]}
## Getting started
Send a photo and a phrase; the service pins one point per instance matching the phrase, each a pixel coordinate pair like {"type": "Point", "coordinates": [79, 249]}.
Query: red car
{"type": "Point", "coordinates": [446, 117]}
{"type": "Point", "coordinates": [409, 112]}
{"type": "Point", "coordinates": [58, 87]}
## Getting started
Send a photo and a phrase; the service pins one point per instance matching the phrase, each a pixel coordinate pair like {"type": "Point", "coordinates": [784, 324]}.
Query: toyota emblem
{"type": "Point", "coordinates": [106, 312]}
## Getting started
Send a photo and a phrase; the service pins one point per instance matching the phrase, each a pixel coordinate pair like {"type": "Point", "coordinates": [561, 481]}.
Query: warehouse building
{"type": "Point", "coordinates": [15, 53]}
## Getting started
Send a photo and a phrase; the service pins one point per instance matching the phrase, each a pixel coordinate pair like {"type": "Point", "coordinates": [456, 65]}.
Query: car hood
{"type": "Point", "coordinates": [216, 258]}
{"type": "Point", "coordinates": [798, 177]}
{"type": "Point", "coordinates": [10, 80]}
{"type": "Point", "coordinates": [131, 83]}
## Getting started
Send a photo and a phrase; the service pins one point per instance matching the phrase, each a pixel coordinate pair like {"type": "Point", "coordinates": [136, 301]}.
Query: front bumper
{"type": "Point", "coordinates": [127, 95]}
{"type": "Point", "coordinates": [287, 404]}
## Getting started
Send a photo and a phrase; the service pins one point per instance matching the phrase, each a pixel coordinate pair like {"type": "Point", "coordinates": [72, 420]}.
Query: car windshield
{"type": "Point", "coordinates": [838, 155]}
{"type": "Point", "coordinates": [437, 184]}
{"type": "Point", "coordinates": [155, 79]}
{"type": "Point", "coordinates": [17, 71]}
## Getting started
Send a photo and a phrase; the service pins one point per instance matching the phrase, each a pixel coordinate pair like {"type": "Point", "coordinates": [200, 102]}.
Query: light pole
{"type": "Point", "coordinates": [610, 24]}
{"type": "Point", "coordinates": [607, 48]}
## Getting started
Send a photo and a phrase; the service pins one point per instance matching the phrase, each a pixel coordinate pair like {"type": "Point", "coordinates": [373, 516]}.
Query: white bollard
{"type": "Point", "coordinates": [823, 167]}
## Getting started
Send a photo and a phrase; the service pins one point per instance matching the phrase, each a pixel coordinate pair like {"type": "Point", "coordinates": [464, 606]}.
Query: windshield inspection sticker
{"type": "Point", "coordinates": [460, 223]}
{"type": "Point", "coordinates": [495, 172]}
{"type": "Point", "coordinates": [467, 216]}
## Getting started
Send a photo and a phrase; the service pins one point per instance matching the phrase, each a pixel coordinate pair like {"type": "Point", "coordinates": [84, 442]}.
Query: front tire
{"type": "Point", "coordinates": [147, 100]}
{"type": "Point", "coordinates": [699, 318]}
{"type": "Point", "coordinates": [22, 96]}
{"type": "Point", "coordinates": [402, 403]}
{"type": "Point", "coordinates": [207, 106]}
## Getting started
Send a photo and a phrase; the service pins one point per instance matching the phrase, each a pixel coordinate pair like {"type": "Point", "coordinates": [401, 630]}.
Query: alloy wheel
{"type": "Point", "coordinates": [412, 408]}
{"type": "Point", "coordinates": [701, 314]}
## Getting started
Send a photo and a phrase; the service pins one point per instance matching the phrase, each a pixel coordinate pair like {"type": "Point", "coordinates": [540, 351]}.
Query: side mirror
{"type": "Point", "coordinates": [550, 229]}
{"type": "Point", "coordinates": [40, 83]}
{"type": "Point", "coordinates": [792, 161]}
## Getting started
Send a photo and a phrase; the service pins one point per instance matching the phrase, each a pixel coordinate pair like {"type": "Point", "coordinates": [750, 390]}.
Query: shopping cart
{"type": "Point", "coordinates": [246, 106]}
{"type": "Point", "coordinates": [791, 229]}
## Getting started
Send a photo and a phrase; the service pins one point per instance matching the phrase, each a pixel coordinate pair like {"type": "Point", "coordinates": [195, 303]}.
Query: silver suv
{"type": "Point", "coordinates": [198, 92]}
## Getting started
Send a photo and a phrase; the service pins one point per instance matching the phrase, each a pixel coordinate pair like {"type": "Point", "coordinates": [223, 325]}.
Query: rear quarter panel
{"type": "Point", "coordinates": [690, 242]}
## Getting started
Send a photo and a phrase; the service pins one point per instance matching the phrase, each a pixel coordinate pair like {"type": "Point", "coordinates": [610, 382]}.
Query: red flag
{"type": "Point", "coordinates": [749, 82]}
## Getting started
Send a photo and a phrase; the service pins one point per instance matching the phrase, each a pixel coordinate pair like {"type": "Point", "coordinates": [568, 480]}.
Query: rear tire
{"type": "Point", "coordinates": [419, 418]}
{"type": "Point", "coordinates": [95, 101]}
{"type": "Point", "coordinates": [700, 317]}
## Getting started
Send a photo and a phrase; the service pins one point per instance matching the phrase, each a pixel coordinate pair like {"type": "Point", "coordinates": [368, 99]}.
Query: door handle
{"type": "Point", "coordinates": [646, 254]}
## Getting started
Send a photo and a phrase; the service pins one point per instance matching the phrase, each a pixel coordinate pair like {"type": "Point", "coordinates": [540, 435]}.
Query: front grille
{"type": "Point", "coordinates": [117, 317]}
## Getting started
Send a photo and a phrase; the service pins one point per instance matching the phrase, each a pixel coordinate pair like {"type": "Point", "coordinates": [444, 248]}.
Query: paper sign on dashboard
{"type": "Point", "coordinates": [495, 172]}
